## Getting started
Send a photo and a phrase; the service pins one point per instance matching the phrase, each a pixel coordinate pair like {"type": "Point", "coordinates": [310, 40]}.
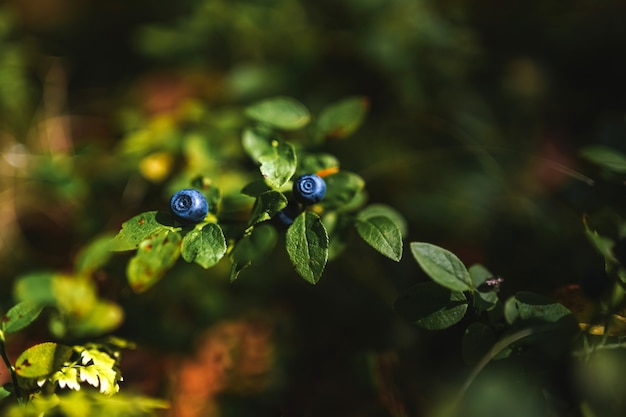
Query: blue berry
{"type": "Point", "coordinates": [189, 205]}
{"type": "Point", "coordinates": [286, 216]}
{"type": "Point", "coordinates": [309, 189]}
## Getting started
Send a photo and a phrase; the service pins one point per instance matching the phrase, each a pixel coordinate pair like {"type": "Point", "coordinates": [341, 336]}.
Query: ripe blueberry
{"type": "Point", "coordinates": [309, 189]}
{"type": "Point", "coordinates": [189, 205]}
{"type": "Point", "coordinates": [286, 216]}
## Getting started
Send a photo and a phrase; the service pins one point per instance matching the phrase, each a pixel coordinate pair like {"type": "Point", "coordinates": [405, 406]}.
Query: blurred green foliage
{"type": "Point", "coordinates": [477, 113]}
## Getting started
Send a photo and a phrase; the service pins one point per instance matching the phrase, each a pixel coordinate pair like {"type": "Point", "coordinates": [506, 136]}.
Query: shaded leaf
{"type": "Point", "coordinates": [526, 305]}
{"type": "Point", "coordinates": [252, 248]}
{"type": "Point", "coordinates": [606, 157]}
{"type": "Point", "coordinates": [266, 205]}
{"type": "Point", "coordinates": [477, 342]}
{"type": "Point", "coordinates": [4, 391]}
{"type": "Point", "coordinates": [281, 112]}
{"type": "Point", "coordinates": [154, 257]}
{"type": "Point", "coordinates": [205, 246]}
{"type": "Point", "coordinates": [342, 190]}
{"type": "Point", "coordinates": [41, 360]}
{"type": "Point", "coordinates": [343, 118]}
{"type": "Point", "coordinates": [307, 246]}
{"type": "Point", "coordinates": [20, 316]}
{"type": "Point", "coordinates": [483, 301]}
{"type": "Point", "coordinates": [312, 163]}
{"type": "Point", "coordinates": [442, 266]}
{"type": "Point", "coordinates": [432, 306]}
{"type": "Point", "coordinates": [382, 234]}
{"type": "Point", "coordinates": [141, 227]}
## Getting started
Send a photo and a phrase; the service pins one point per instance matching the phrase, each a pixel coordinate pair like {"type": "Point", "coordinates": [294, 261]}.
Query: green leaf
{"type": "Point", "coordinates": [41, 360]}
{"type": "Point", "coordinates": [4, 392]}
{"type": "Point", "coordinates": [477, 342]}
{"type": "Point", "coordinates": [252, 248]}
{"type": "Point", "coordinates": [382, 234]}
{"type": "Point", "coordinates": [375, 210]}
{"type": "Point", "coordinates": [343, 118]}
{"type": "Point", "coordinates": [281, 112]}
{"type": "Point", "coordinates": [442, 266]}
{"type": "Point", "coordinates": [36, 288]}
{"type": "Point", "coordinates": [20, 316]}
{"type": "Point", "coordinates": [483, 301]}
{"type": "Point", "coordinates": [205, 246]}
{"type": "Point", "coordinates": [602, 244]}
{"type": "Point", "coordinates": [256, 141]}
{"type": "Point", "coordinates": [256, 188]}
{"type": "Point", "coordinates": [314, 162]}
{"type": "Point", "coordinates": [307, 246]}
{"type": "Point", "coordinates": [141, 227]}
{"type": "Point", "coordinates": [606, 157]}
{"type": "Point", "coordinates": [342, 190]}
{"type": "Point", "coordinates": [526, 305]}
{"type": "Point", "coordinates": [94, 255]}
{"type": "Point", "coordinates": [103, 317]}
{"type": "Point", "coordinates": [278, 164]}
{"type": "Point", "coordinates": [154, 257]}
{"type": "Point", "coordinates": [266, 205]}
{"type": "Point", "coordinates": [432, 306]}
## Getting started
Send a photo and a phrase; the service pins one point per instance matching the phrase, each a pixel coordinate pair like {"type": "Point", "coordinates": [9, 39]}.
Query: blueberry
{"type": "Point", "coordinates": [309, 189]}
{"type": "Point", "coordinates": [287, 215]}
{"type": "Point", "coordinates": [189, 205]}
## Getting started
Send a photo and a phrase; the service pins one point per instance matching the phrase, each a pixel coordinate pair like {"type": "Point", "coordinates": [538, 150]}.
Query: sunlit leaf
{"type": "Point", "coordinates": [94, 255]}
{"type": "Point", "coordinates": [383, 234]}
{"type": "Point", "coordinates": [307, 246]}
{"type": "Point", "coordinates": [374, 210]}
{"type": "Point", "coordinates": [278, 164]}
{"type": "Point", "coordinates": [205, 246]}
{"type": "Point", "coordinates": [42, 360]}
{"type": "Point", "coordinates": [141, 227]}
{"type": "Point", "coordinates": [442, 266]}
{"type": "Point", "coordinates": [281, 112]}
{"type": "Point", "coordinates": [20, 316]}
{"type": "Point", "coordinates": [155, 256]}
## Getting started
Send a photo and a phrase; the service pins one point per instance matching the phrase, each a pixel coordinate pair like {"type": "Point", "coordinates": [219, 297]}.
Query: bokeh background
{"type": "Point", "coordinates": [478, 111]}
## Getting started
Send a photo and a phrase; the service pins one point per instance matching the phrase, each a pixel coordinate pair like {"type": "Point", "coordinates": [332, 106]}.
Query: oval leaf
{"type": "Point", "coordinates": [252, 248]}
{"type": "Point", "coordinates": [266, 205]}
{"type": "Point", "coordinates": [205, 246]}
{"type": "Point", "coordinates": [141, 227]}
{"type": "Point", "coordinates": [41, 360]}
{"type": "Point", "coordinates": [20, 316]}
{"type": "Point", "coordinates": [374, 210]}
{"type": "Point", "coordinates": [341, 119]}
{"type": "Point", "coordinates": [154, 257]}
{"type": "Point", "coordinates": [526, 306]}
{"type": "Point", "coordinates": [432, 306]}
{"type": "Point", "coordinates": [278, 164]}
{"type": "Point", "coordinates": [307, 246]}
{"type": "Point", "coordinates": [382, 234]}
{"type": "Point", "coordinates": [442, 266]}
{"type": "Point", "coordinates": [281, 112]}
{"type": "Point", "coordinates": [606, 157]}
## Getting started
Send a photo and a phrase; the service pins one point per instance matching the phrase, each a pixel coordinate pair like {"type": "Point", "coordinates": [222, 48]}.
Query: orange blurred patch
{"type": "Point", "coordinates": [233, 356]}
{"type": "Point", "coordinates": [328, 171]}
